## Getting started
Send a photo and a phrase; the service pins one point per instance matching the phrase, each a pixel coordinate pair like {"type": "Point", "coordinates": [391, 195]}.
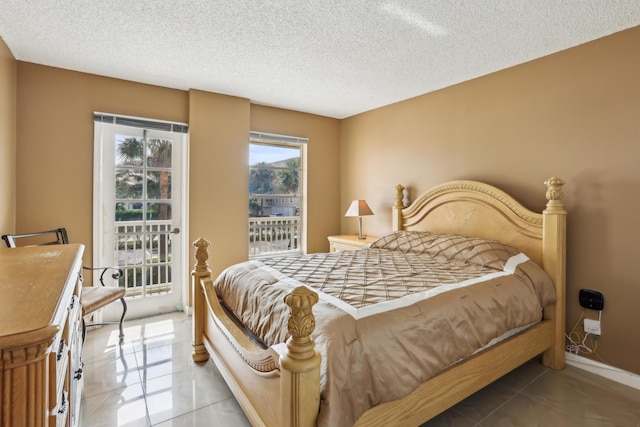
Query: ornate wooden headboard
{"type": "Point", "coordinates": [476, 209]}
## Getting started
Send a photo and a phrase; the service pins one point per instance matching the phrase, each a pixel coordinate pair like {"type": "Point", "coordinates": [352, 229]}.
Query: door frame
{"type": "Point", "coordinates": [98, 198]}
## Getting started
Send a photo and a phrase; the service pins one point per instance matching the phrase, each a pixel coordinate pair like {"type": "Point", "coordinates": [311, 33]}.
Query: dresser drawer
{"type": "Point", "coordinates": [348, 242]}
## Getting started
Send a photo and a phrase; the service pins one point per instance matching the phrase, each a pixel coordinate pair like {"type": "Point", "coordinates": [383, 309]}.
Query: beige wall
{"type": "Point", "coordinates": [574, 114]}
{"type": "Point", "coordinates": [8, 73]}
{"type": "Point", "coordinates": [218, 132]}
{"type": "Point", "coordinates": [55, 155]}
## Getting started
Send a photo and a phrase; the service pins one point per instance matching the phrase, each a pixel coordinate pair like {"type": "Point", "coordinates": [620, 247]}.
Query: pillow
{"type": "Point", "coordinates": [471, 250]}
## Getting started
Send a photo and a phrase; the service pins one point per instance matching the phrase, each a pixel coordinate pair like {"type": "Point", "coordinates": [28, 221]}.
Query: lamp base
{"type": "Point", "coordinates": [360, 236]}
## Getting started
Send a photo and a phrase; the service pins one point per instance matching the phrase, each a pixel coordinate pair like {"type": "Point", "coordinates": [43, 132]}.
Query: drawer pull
{"type": "Point", "coordinates": [78, 374]}
{"type": "Point", "coordinates": [64, 402]}
{"type": "Point", "coordinates": [60, 350]}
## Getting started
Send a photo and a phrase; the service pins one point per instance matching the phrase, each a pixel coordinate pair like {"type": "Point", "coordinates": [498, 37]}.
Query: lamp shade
{"type": "Point", "coordinates": [359, 208]}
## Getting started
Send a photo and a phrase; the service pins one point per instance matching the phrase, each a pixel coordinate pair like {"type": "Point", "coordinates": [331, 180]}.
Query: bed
{"type": "Point", "coordinates": [288, 383]}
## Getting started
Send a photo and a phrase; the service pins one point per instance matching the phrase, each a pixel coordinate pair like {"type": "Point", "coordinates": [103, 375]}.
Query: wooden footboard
{"type": "Point", "coordinates": [273, 389]}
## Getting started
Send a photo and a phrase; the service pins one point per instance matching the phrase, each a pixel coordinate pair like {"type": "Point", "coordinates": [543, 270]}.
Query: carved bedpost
{"type": "Point", "coordinates": [554, 261]}
{"type": "Point", "coordinates": [397, 208]}
{"type": "Point", "coordinates": [200, 271]}
{"type": "Point", "coordinates": [300, 364]}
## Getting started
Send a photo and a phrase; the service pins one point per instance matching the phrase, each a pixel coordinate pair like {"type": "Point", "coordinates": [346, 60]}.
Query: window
{"type": "Point", "coordinates": [276, 191]}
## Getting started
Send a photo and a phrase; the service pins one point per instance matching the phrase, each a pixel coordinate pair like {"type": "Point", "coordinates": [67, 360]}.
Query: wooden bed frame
{"type": "Point", "coordinates": [276, 390]}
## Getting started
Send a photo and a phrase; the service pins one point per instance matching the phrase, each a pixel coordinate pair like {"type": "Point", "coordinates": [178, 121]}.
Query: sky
{"type": "Point", "coordinates": [269, 154]}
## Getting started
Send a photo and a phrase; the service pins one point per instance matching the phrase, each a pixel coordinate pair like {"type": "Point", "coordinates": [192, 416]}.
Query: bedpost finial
{"type": "Point", "coordinates": [301, 322]}
{"type": "Point", "coordinates": [399, 197]}
{"type": "Point", "coordinates": [554, 188]}
{"type": "Point", "coordinates": [201, 254]}
{"type": "Point", "coordinates": [554, 194]}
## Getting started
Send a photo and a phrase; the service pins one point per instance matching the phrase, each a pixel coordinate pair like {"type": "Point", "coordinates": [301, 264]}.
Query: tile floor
{"type": "Point", "coordinates": [150, 380]}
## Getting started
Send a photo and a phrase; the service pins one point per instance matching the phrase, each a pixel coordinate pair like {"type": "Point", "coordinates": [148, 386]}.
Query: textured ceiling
{"type": "Point", "coordinates": [330, 57]}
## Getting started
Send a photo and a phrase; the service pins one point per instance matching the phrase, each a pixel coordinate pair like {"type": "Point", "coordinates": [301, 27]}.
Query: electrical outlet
{"type": "Point", "coordinates": [592, 326]}
{"type": "Point", "coordinates": [591, 299]}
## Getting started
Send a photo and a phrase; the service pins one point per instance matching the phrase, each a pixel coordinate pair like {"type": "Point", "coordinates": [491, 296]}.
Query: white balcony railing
{"type": "Point", "coordinates": [146, 262]}
{"type": "Point", "coordinates": [274, 236]}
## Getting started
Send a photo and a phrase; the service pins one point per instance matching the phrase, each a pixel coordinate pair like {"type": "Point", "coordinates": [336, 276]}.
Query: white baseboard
{"type": "Point", "coordinates": [607, 371]}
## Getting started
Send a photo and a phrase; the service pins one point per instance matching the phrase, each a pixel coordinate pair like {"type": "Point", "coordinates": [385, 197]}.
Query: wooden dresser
{"type": "Point", "coordinates": [40, 335]}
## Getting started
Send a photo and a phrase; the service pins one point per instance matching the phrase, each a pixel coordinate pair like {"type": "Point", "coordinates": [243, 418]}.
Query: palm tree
{"type": "Point", "coordinates": [255, 209]}
{"type": "Point", "coordinates": [260, 179]}
{"type": "Point", "coordinates": [260, 182]}
{"type": "Point", "coordinates": [133, 155]}
{"type": "Point", "coordinates": [289, 178]}
{"type": "Point", "coordinates": [160, 157]}
{"type": "Point", "coordinates": [129, 177]}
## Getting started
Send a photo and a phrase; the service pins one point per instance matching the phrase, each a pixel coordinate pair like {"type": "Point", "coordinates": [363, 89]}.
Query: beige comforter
{"type": "Point", "coordinates": [392, 315]}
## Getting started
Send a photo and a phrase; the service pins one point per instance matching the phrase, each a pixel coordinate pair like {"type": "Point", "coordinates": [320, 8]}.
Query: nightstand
{"type": "Point", "coordinates": [348, 242]}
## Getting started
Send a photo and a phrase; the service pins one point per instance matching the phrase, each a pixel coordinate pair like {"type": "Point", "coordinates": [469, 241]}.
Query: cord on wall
{"type": "Point", "coordinates": [578, 343]}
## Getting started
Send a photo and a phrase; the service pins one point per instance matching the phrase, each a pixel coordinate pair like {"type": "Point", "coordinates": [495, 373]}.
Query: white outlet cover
{"type": "Point", "coordinates": [592, 326]}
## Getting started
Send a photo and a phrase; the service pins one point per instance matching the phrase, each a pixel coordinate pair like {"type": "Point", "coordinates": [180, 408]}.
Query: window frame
{"type": "Point", "coordinates": [278, 200]}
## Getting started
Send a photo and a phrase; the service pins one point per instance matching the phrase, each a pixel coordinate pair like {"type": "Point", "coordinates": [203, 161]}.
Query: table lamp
{"type": "Point", "coordinates": [359, 208]}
